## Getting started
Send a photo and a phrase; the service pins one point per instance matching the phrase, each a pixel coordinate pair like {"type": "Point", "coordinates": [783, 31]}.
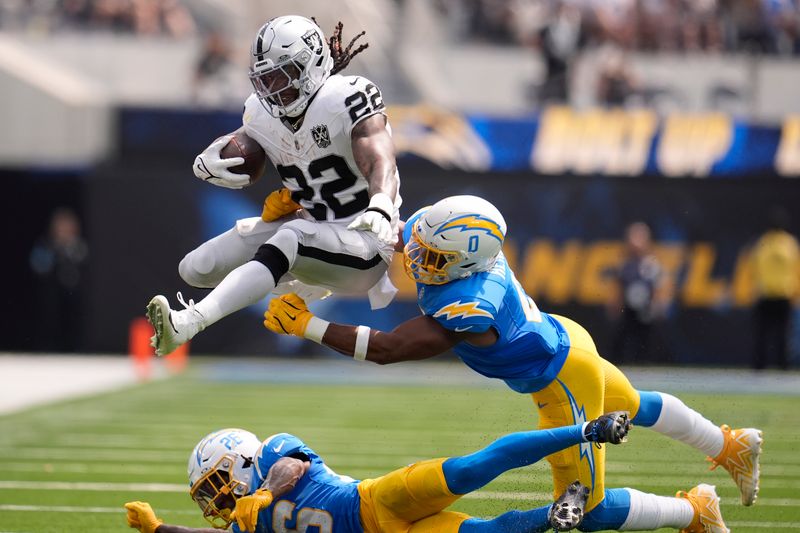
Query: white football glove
{"type": "Point", "coordinates": [208, 166]}
{"type": "Point", "coordinates": [375, 219]}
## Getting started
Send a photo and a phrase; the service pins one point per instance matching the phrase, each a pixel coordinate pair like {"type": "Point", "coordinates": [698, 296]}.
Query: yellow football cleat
{"type": "Point", "coordinates": [707, 516]}
{"type": "Point", "coordinates": [739, 457]}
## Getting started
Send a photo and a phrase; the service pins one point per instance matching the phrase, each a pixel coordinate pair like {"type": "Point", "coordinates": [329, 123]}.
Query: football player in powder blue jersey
{"type": "Point", "coordinates": [471, 302]}
{"type": "Point", "coordinates": [281, 485]}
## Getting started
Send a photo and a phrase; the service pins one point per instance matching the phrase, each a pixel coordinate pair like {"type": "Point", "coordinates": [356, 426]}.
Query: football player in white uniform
{"type": "Point", "coordinates": [333, 224]}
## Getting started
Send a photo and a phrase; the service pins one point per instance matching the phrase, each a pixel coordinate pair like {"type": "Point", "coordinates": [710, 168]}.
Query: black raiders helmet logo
{"type": "Point", "coordinates": [321, 135]}
{"type": "Point", "coordinates": [313, 41]}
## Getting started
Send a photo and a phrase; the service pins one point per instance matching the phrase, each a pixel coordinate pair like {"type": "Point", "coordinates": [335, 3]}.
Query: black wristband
{"type": "Point", "coordinates": [381, 211]}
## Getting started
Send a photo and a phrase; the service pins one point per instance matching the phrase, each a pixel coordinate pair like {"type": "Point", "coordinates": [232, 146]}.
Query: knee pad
{"type": "Point", "coordinates": [278, 253]}
{"type": "Point", "coordinates": [611, 513]}
{"type": "Point", "coordinates": [197, 268]}
{"type": "Point", "coordinates": [287, 240]}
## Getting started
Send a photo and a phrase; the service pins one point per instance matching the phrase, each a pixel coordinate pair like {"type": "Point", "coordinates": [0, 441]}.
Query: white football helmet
{"type": "Point", "coordinates": [221, 469]}
{"type": "Point", "coordinates": [289, 62]}
{"type": "Point", "coordinates": [453, 239]}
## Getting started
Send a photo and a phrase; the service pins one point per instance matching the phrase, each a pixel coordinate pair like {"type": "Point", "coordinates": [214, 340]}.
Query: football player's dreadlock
{"type": "Point", "coordinates": [341, 57]}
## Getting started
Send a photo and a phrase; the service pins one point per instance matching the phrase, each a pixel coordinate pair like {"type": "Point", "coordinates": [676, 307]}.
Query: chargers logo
{"type": "Point", "coordinates": [473, 222]}
{"type": "Point", "coordinates": [457, 309]}
{"type": "Point", "coordinates": [579, 417]}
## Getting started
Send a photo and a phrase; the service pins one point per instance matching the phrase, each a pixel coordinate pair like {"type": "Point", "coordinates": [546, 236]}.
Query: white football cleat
{"type": "Point", "coordinates": [172, 328]}
{"type": "Point", "coordinates": [707, 516]}
{"type": "Point", "coordinates": [740, 457]}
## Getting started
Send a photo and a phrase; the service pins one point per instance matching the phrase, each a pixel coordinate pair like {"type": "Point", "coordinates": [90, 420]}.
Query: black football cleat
{"type": "Point", "coordinates": [611, 427]}
{"type": "Point", "coordinates": [567, 511]}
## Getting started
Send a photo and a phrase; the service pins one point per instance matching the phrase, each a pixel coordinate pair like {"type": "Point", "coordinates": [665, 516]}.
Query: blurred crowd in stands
{"type": "Point", "coordinates": [156, 18]}
{"type": "Point", "coordinates": [759, 26]}
{"type": "Point", "coordinates": [756, 26]}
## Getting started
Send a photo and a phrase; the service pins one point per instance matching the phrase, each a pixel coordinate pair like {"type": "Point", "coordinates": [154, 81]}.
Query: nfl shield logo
{"type": "Point", "coordinates": [321, 135]}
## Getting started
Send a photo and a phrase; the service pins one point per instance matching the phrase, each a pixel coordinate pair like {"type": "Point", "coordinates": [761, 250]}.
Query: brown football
{"type": "Point", "coordinates": [255, 159]}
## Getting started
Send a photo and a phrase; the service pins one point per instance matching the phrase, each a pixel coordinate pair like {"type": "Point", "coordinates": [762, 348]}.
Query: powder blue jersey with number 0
{"type": "Point", "coordinates": [532, 346]}
{"type": "Point", "coordinates": [322, 501]}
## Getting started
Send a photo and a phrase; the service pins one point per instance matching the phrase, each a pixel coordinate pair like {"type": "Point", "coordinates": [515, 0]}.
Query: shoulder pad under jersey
{"type": "Point", "coordinates": [252, 108]}
{"type": "Point", "coordinates": [463, 313]}
{"type": "Point", "coordinates": [352, 99]}
{"type": "Point", "coordinates": [276, 447]}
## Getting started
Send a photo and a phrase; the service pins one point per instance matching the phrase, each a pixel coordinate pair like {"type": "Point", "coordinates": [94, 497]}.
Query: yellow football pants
{"type": "Point", "coordinates": [409, 500]}
{"type": "Point", "coordinates": [585, 388]}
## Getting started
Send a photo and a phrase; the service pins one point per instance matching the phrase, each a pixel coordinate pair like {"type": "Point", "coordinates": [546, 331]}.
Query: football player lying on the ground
{"type": "Point", "coordinates": [325, 133]}
{"type": "Point", "coordinates": [253, 486]}
{"type": "Point", "coordinates": [471, 302]}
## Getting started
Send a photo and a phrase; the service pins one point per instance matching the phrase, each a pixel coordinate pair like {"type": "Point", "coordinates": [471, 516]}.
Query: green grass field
{"type": "Point", "coordinates": [70, 467]}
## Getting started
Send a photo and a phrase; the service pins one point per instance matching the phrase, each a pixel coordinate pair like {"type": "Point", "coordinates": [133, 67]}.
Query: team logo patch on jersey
{"type": "Point", "coordinates": [457, 309]}
{"type": "Point", "coordinates": [321, 135]}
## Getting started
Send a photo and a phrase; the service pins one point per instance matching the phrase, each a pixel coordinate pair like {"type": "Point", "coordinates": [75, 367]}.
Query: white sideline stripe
{"type": "Point", "coordinates": [29, 381]}
{"type": "Point", "coordinates": [175, 487]}
{"type": "Point", "coordinates": [76, 509]}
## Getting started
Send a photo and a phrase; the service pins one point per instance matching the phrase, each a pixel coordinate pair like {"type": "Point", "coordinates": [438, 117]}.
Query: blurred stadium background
{"type": "Point", "coordinates": [575, 117]}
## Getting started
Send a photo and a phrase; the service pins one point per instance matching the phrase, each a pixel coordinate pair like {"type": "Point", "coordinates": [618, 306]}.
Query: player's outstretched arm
{"type": "Point", "coordinates": [142, 517]}
{"type": "Point", "coordinates": [373, 151]}
{"type": "Point", "coordinates": [419, 338]}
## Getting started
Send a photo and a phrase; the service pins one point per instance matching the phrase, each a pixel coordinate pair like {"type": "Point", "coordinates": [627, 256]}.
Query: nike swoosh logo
{"type": "Point", "coordinates": [203, 168]}
{"type": "Point", "coordinates": [291, 317]}
{"type": "Point", "coordinates": [459, 330]}
{"type": "Point", "coordinates": [171, 323]}
{"type": "Point", "coordinates": [354, 81]}
{"type": "Point", "coordinates": [278, 448]}
{"type": "Point", "coordinates": [541, 405]}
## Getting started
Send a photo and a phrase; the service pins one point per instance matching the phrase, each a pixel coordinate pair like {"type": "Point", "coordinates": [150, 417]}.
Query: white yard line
{"type": "Point", "coordinates": [77, 509]}
{"type": "Point", "coordinates": [115, 510]}
{"type": "Point", "coordinates": [92, 486]}
{"type": "Point", "coordinates": [180, 488]}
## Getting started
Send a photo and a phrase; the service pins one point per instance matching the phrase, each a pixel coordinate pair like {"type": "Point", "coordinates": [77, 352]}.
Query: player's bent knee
{"type": "Point", "coordinates": [197, 269]}
{"type": "Point", "coordinates": [610, 513]}
{"type": "Point", "coordinates": [274, 259]}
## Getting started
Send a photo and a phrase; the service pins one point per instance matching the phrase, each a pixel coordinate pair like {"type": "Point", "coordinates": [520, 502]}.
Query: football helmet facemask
{"type": "Point", "coordinates": [453, 239]}
{"type": "Point", "coordinates": [221, 469]}
{"type": "Point", "coordinates": [289, 62]}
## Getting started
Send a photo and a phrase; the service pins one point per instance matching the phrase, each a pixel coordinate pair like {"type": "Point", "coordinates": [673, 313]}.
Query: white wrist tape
{"type": "Point", "coordinates": [316, 329]}
{"type": "Point", "coordinates": [362, 342]}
